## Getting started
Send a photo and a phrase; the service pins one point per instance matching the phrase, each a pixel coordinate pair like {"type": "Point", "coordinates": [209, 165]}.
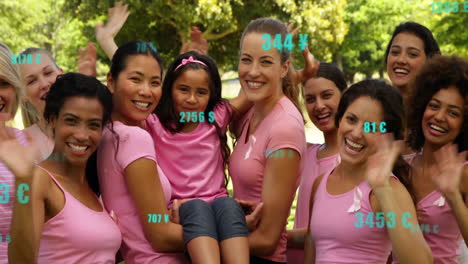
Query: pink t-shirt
{"type": "Point", "coordinates": [192, 161]}
{"type": "Point", "coordinates": [134, 143]}
{"type": "Point", "coordinates": [332, 227]}
{"type": "Point", "coordinates": [45, 144]}
{"type": "Point", "coordinates": [78, 234]}
{"type": "Point", "coordinates": [282, 128]}
{"type": "Point", "coordinates": [6, 209]}
{"type": "Point", "coordinates": [313, 168]}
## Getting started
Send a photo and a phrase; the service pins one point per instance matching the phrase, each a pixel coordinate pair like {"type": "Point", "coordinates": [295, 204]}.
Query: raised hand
{"type": "Point", "coordinates": [19, 159]}
{"type": "Point", "coordinates": [87, 60]}
{"type": "Point", "coordinates": [293, 31]}
{"type": "Point", "coordinates": [197, 42]}
{"type": "Point", "coordinates": [380, 164]}
{"type": "Point", "coordinates": [105, 33]}
{"type": "Point", "coordinates": [447, 170]}
{"type": "Point", "coordinates": [310, 69]}
{"type": "Point", "coordinates": [117, 17]}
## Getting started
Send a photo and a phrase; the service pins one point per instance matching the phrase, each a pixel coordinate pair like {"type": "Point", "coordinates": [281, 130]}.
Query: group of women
{"type": "Point", "coordinates": [130, 154]}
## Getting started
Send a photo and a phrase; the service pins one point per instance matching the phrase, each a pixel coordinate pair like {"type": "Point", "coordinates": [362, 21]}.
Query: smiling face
{"type": "Point", "coordinates": [322, 99]}
{"type": "Point", "coordinates": [356, 145]}
{"type": "Point", "coordinates": [137, 90]}
{"type": "Point", "coordinates": [38, 78]}
{"type": "Point", "coordinates": [7, 97]}
{"type": "Point", "coordinates": [78, 129]}
{"type": "Point", "coordinates": [260, 71]}
{"type": "Point", "coordinates": [191, 91]}
{"type": "Point", "coordinates": [405, 59]}
{"type": "Point", "coordinates": [443, 118]}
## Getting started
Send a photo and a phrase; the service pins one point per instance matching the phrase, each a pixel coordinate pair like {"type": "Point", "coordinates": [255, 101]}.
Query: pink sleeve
{"type": "Point", "coordinates": [288, 135]}
{"type": "Point", "coordinates": [223, 114]}
{"type": "Point", "coordinates": [134, 143]}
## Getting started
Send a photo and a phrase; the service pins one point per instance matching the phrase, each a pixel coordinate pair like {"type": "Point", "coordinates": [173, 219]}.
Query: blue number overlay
{"type": "Point", "coordinates": [196, 117]}
{"type": "Point", "coordinates": [360, 222]}
{"type": "Point", "coordinates": [156, 218]}
{"type": "Point", "coordinates": [5, 198]}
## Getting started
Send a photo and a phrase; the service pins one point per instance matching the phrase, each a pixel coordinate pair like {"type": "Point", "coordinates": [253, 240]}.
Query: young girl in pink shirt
{"type": "Point", "coordinates": [438, 122]}
{"type": "Point", "coordinates": [322, 95]}
{"type": "Point", "coordinates": [189, 133]}
{"type": "Point", "coordinates": [363, 184]}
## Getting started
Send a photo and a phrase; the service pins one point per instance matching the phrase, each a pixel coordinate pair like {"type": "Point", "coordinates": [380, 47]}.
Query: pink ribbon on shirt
{"type": "Point", "coordinates": [357, 201]}
{"type": "Point", "coordinates": [440, 201]}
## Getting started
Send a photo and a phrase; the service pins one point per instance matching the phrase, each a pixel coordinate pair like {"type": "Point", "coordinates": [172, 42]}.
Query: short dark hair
{"type": "Point", "coordinates": [431, 47]}
{"type": "Point", "coordinates": [438, 73]}
{"type": "Point", "coordinates": [78, 85]}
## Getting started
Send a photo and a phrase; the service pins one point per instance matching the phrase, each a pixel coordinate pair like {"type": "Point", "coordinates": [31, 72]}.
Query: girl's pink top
{"type": "Point", "coordinates": [332, 225]}
{"type": "Point", "coordinates": [435, 210]}
{"type": "Point", "coordinates": [192, 161]}
{"type": "Point", "coordinates": [78, 234]}
{"type": "Point", "coordinates": [313, 168]}
{"type": "Point", "coordinates": [6, 209]}
{"type": "Point", "coordinates": [134, 143]}
{"type": "Point", "coordinates": [282, 128]}
{"type": "Point", "coordinates": [45, 144]}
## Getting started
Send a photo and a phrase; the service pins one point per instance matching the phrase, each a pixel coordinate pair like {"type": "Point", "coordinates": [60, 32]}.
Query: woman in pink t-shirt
{"type": "Point", "coordinates": [131, 182]}
{"type": "Point", "coordinates": [322, 95]}
{"type": "Point", "coordinates": [51, 223]}
{"type": "Point", "coordinates": [266, 160]}
{"type": "Point", "coordinates": [439, 118]}
{"type": "Point", "coordinates": [361, 185]}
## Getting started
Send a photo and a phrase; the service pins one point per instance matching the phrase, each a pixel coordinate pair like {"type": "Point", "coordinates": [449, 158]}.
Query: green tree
{"type": "Point", "coordinates": [370, 25]}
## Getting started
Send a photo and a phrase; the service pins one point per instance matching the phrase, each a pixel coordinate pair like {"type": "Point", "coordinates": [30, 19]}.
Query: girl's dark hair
{"type": "Point", "coordinates": [119, 60]}
{"type": "Point", "coordinates": [79, 85]}
{"type": "Point", "coordinates": [273, 27]}
{"type": "Point", "coordinates": [332, 73]}
{"type": "Point", "coordinates": [431, 47]}
{"type": "Point", "coordinates": [166, 111]}
{"type": "Point", "coordinates": [392, 105]}
{"type": "Point", "coordinates": [438, 73]}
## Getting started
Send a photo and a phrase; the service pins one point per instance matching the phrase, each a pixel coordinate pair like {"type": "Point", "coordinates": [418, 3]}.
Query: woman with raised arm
{"type": "Point", "coordinates": [363, 184]}
{"type": "Point", "coordinates": [438, 122]}
{"type": "Point", "coordinates": [63, 197]}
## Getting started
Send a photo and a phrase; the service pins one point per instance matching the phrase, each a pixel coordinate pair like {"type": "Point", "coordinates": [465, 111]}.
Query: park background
{"type": "Point", "coordinates": [351, 33]}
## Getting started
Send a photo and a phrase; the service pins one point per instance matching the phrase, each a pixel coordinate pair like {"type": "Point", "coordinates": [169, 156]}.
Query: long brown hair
{"type": "Point", "coordinates": [273, 27]}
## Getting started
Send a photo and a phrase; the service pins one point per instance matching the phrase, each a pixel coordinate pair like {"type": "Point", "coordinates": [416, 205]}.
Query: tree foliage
{"type": "Point", "coordinates": [353, 34]}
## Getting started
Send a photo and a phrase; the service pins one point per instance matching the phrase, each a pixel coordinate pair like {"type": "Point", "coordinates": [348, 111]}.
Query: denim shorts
{"type": "Point", "coordinates": [222, 219]}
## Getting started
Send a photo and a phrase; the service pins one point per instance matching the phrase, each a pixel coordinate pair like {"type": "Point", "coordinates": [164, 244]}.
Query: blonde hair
{"type": "Point", "coordinates": [29, 113]}
{"type": "Point", "coordinates": [11, 74]}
